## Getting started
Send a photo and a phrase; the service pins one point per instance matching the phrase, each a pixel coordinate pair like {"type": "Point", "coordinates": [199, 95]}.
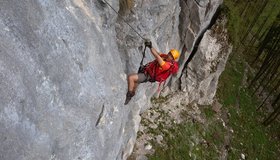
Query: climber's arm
{"type": "Point", "coordinates": [157, 57]}
{"type": "Point", "coordinates": [155, 53]}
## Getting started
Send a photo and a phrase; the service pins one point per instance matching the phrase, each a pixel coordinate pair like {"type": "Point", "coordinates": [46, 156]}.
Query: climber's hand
{"type": "Point", "coordinates": [148, 44]}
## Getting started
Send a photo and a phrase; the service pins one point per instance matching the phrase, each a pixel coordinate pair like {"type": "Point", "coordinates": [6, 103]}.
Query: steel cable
{"type": "Point", "coordinates": [124, 20]}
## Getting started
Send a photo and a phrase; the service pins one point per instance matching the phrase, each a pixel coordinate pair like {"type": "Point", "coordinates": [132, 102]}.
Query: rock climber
{"type": "Point", "coordinates": [158, 70]}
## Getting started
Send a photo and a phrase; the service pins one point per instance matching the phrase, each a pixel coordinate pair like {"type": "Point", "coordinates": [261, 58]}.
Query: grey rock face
{"type": "Point", "coordinates": [56, 80]}
{"type": "Point", "coordinates": [202, 74]}
{"type": "Point", "coordinates": [63, 73]}
{"type": "Point", "coordinates": [194, 20]}
{"type": "Point", "coordinates": [199, 88]}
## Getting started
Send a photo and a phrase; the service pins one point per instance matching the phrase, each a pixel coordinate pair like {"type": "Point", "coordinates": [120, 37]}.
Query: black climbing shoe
{"type": "Point", "coordinates": [129, 95]}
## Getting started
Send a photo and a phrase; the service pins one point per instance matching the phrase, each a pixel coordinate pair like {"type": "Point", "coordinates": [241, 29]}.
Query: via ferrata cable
{"type": "Point", "coordinates": [124, 20]}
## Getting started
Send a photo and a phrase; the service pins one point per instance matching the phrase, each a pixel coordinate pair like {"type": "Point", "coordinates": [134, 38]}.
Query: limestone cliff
{"type": "Point", "coordinates": [63, 72]}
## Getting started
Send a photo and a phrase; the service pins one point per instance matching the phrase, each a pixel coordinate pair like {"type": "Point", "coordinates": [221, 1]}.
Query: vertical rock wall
{"type": "Point", "coordinates": [62, 82]}
{"type": "Point", "coordinates": [63, 67]}
{"type": "Point", "coordinates": [154, 20]}
{"type": "Point", "coordinates": [200, 79]}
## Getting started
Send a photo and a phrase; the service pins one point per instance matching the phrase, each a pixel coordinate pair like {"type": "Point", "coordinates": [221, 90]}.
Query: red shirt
{"type": "Point", "coordinates": [160, 72]}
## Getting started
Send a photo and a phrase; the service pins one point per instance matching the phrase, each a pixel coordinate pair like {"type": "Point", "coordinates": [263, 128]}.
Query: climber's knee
{"type": "Point", "coordinates": [132, 78]}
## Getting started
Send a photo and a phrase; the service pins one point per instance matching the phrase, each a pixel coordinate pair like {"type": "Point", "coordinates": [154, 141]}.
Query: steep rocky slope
{"type": "Point", "coordinates": [63, 72]}
{"type": "Point", "coordinates": [176, 109]}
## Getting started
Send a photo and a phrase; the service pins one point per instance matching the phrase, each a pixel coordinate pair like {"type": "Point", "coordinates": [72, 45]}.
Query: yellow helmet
{"type": "Point", "coordinates": [175, 53]}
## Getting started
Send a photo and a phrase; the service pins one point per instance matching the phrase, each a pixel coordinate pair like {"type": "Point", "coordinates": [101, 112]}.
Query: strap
{"type": "Point", "coordinates": [169, 70]}
{"type": "Point", "coordinates": [158, 89]}
{"type": "Point", "coordinates": [142, 67]}
{"type": "Point", "coordinates": [143, 53]}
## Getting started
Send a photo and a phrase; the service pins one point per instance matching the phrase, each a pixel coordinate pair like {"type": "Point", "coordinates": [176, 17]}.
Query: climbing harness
{"type": "Point", "coordinates": [155, 75]}
{"type": "Point", "coordinates": [124, 20]}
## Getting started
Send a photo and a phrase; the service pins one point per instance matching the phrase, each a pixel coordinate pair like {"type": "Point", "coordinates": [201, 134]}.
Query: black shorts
{"type": "Point", "coordinates": [142, 78]}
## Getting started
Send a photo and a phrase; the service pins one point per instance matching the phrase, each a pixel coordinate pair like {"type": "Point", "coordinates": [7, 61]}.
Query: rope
{"type": "Point", "coordinates": [124, 20]}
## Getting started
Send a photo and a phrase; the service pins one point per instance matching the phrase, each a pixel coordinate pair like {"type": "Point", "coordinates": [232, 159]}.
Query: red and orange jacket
{"type": "Point", "coordinates": [160, 72]}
